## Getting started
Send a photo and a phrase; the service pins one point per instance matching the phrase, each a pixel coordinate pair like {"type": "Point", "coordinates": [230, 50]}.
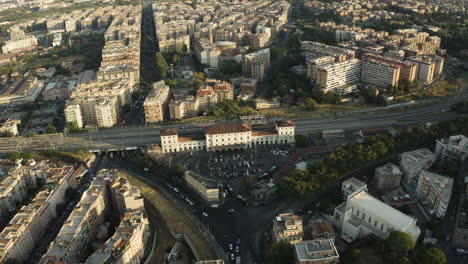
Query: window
{"type": "Point", "coordinates": [364, 216]}
{"type": "Point", "coordinates": [370, 219]}
{"type": "Point", "coordinates": [375, 223]}
{"type": "Point", "coordinates": [381, 227]}
{"type": "Point", "coordinates": [357, 213]}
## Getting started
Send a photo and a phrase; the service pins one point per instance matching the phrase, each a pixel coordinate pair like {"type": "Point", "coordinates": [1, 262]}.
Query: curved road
{"type": "Point", "coordinates": [117, 138]}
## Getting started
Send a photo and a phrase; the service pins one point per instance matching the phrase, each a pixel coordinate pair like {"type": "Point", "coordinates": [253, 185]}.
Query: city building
{"type": "Point", "coordinates": [413, 162]}
{"type": "Point", "coordinates": [206, 52]}
{"type": "Point", "coordinates": [9, 126]}
{"type": "Point", "coordinates": [314, 63]}
{"type": "Point", "coordinates": [321, 229]}
{"type": "Point", "coordinates": [58, 90]}
{"type": "Point", "coordinates": [287, 228]}
{"type": "Point", "coordinates": [362, 214]}
{"type": "Point", "coordinates": [428, 67]}
{"type": "Point", "coordinates": [453, 148]}
{"type": "Point", "coordinates": [208, 190]}
{"type": "Point", "coordinates": [381, 73]}
{"type": "Point", "coordinates": [225, 137]}
{"type": "Point", "coordinates": [316, 252]}
{"type": "Point", "coordinates": [434, 191]}
{"type": "Point", "coordinates": [81, 227]}
{"type": "Point", "coordinates": [14, 45]}
{"type": "Point", "coordinates": [351, 186]}
{"type": "Point", "coordinates": [406, 69]}
{"type": "Point", "coordinates": [339, 77]}
{"type": "Point", "coordinates": [387, 176]}
{"type": "Point", "coordinates": [156, 105]}
{"type": "Point", "coordinates": [19, 90]}
{"type": "Point", "coordinates": [254, 65]}
{"type": "Point", "coordinates": [27, 227]}
{"type": "Point", "coordinates": [313, 50]}
{"type": "Point", "coordinates": [73, 113]}
{"type": "Point", "coordinates": [183, 106]}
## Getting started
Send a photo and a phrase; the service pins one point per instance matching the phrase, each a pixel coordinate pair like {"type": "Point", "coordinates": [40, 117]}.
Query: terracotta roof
{"type": "Point", "coordinates": [322, 227]}
{"type": "Point", "coordinates": [169, 132]}
{"type": "Point", "coordinates": [191, 137]}
{"type": "Point", "coordinates": [224, 129]}
{"type": "Point", "coordinates": [264, 133]}
{"type": "Point", "coordinates": [285, 123]}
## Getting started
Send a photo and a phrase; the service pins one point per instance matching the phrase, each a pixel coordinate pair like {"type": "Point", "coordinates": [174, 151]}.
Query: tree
{"type": "Point", "coordinates": [51, 129]}
{"type": "Point", "coordinates": [279, 253]}
{"type": "Point", "coordinates": [309, 104]}
{"type": "Point", "coordinates": [355, 253]}
{"type": "Point", "coordinates": [198, 80]}
{"type": "Point", "coordinates": [302, 141]}
{"type": "Point", "coordinates": [177, 172]}
{"type": "Point", "coordinates": [433, 256]}
{"type": "Point", "coordinates": [161, 66]}
{"type": "Point", "coordinates": [72, 126]}
{"type": "Point", "coordinates": [171, 83]}
{"type": "Point", "coordinates": [400, 242]}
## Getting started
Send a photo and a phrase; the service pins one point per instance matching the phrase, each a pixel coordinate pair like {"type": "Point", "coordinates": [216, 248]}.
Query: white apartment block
{"type": "Point", "coordinates": [156, 104]}
{"type": "Point", "coordinates": [12, 45]}
{"type": "Point", "coordinates": [382, 74]}
{"type": "Point", "coordinates": [434, 191]}
{"type": "Point", "coordinates": [255, 64]}
{"type": "Point", "coordinates": [331, 77]}
{"type": "Point", "coordinates": [26, 228]}
{"type": "Point", "coordinates": [73, 113]}
{"type": "Point", "coordinates": [81, 226]}
{"type": "Point", "coordinates": [206, 52]}
{"type": "Point", "coordinates": [225, 137]}
{"type": "Point", "coordinates": [287, 228]}
{"type": "Point", "coordinates": [106, 112]}
{"type": "Point", "coordinates": [362, 214]}
{"type": "Point", "coordinates": [314, 63]}
{"type": "Point", "coordinates": [454, 148]}
{"type": "Point", "coordinates": [413, 162]}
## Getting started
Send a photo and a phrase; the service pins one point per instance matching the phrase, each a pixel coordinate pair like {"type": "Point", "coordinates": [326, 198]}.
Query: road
{"type": "Point", "coordinates": [138, 136]}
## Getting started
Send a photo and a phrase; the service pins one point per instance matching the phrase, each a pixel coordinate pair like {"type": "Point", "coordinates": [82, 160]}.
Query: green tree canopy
{"type": "Point", "coordinates": [198, 80]}
{"type": "Point", "coordinates": [433, 256]}
{"type": "Point", "coordinates": [51, 129]}
{"type": "Point", "coordinates": [399, 241]}
{"type": "Point", "coordinates": [279, 253]}
{"type": "Point", "coordinates": [161, 66]}
{"type": "Point", "coordinates": [309, 104]}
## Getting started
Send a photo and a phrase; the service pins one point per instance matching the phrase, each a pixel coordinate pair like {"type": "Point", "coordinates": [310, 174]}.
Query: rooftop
{"type": "Point", "coordinates": [443, 185]}
{"type": "Point", "coordinates": [305, 250]}
{"type": "Point", "coordinates": [387, 169]}
{"type": "Point", "coordinates": [232, 128]}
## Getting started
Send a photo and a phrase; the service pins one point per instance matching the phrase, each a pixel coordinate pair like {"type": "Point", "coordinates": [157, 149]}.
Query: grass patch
{"type": "Point", "coordinates": [78, 156]}
{"type": "Point", "coordinates": [176, 219]}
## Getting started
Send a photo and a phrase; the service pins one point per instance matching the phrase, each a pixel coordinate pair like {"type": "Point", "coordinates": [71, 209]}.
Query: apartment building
{"type": "Point", "coordinates": [9, 126]}
{"type": "Point", "coordinates": [206, 52]}
{"type": "Point", "coordinates": [106, 112]}
{"type": "Point", "coordinates": [413, 162]}
{"type": "Point", "coordinates": [428, 67]}
{"type": "Point", "coordinates": [380, 73]}
{"type": "Point", "coordinates": [183, 106]}
{"type": "Point", "coordinates": [81, 227]}
{"type": "Point", "coordinates": [58, 90]}
{"type": "Point", "coordinates": [19, 90]}
{"type": "Point", "coordinates": [73, 113]}
{"type": "Point", "coordinates": [287, 228]}
{"type": "Point", "coordinates": [313, 50]}
{"type": "Point", "coordinates": [453, 148]}
{"type": "Point", "coordinates": [27, 227]}
{"type": "Point", "coordinates": [157, 103]}
{"type": "Point", "coordinates": [362, 214]}
{"type": "Point", "coordinates": [338, 76]}
{"type": "Point", "coordinates": [15, 45]}
{"type": "Point", "coordinates": [128, 242]}
{"type": "Point", "coordinates": [254, 65]}
{"type": "Point", "coordinates": [316, 252]}
{"type": "Point", "coordinates": [387, 176]}
{"type": "Point", "coordinates": [314, 63]}
{"type": "Point", "coordinates": [434, 191]}
{"type": "Point", "coordinates": [225, 137]}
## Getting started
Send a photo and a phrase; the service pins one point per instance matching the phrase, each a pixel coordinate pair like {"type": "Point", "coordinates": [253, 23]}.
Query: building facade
{"type": "Point", "coordinates": [413, 162]}
{"type": "Point", "coordinates": [387, 176]}
{"type": "Point", "coordinates": [224, 137]}
{"type": "Point", "coordinates": [287, 228]}
{"type": "Point", "coordinates": [157, 103]}
{"type": "Point", "coordinates": [454, 148]}
{"type": "Point", "coordinates": [316, 252]}
{"type": "Point", "coordinates": [434, 190]}
{"type": "Point", "coordinates": [333, 76]}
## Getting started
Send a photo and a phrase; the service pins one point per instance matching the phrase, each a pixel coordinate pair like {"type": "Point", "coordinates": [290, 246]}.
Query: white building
{"type": "Point", "coordinates": [413, 162]}
{"type": "Point", "coordinates": [73, 113]}
{"type": "Point", "coordinates": [434, 190]}
{"type": "Point", "coordinates": [206, 52]}
{"type": "Point", "coordinates": [454, 148]}
{"type": "Point", "coordinates": [335, 76]}
{"type": "Point", "coordinates": [12, 45]}
{"type": "Point", "coordinates": [287, 228]}
{"type": "Point", "coordinates": [362, 214]}
{"type": "Point", "coordinates": [380, 73]}
{"type": "Point", "coordinates": [351, 186]}
{"type": "Point", "coordinates": [225, 137]}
